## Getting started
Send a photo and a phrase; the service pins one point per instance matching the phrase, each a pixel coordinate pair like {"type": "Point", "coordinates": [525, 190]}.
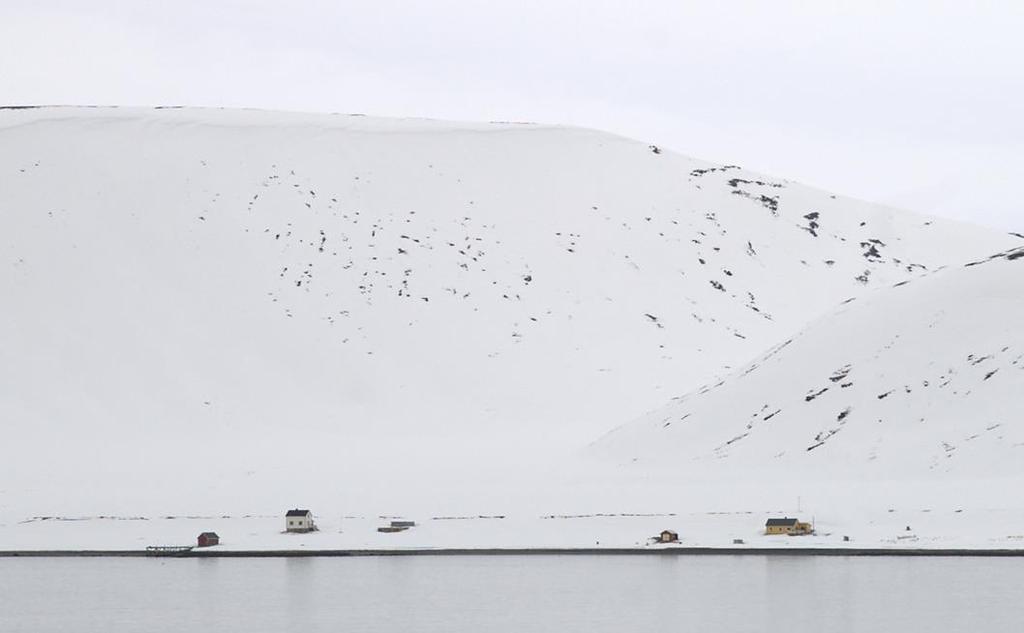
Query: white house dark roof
{"type": "Point", "coordinates": [298, 513]}
{"type": "Point", "coordinates": [780, 522]}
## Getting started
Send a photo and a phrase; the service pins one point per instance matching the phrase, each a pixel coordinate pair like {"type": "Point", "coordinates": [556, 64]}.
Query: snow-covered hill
{"type": "Point", "coordinates": [209, 310]}
{"type": "Point", "coordinates": [921, 381]}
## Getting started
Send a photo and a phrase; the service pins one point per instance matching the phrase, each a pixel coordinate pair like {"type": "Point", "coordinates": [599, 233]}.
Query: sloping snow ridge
{"type": "Point", "coordinates": [918, 380]}
{"type": "Point", "coordinates": [230, 312]}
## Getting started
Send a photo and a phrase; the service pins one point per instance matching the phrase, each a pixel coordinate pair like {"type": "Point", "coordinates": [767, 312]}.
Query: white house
{"type": "Point", "coordinates": [299, 521]}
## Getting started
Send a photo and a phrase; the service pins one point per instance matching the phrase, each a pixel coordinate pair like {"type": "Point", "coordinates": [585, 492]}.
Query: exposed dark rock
{"type": "Point", "coordinates": [840, 373]}
{"type": "Point", "coordinates": [815, 394]}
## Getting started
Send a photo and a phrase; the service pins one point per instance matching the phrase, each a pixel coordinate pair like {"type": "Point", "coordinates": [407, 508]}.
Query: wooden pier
{"type": "Point", "coordinates": [168, 550]}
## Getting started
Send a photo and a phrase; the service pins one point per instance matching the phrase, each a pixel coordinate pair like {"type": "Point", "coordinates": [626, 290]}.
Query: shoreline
{"type": "Point", "coordinates": [668, 551]}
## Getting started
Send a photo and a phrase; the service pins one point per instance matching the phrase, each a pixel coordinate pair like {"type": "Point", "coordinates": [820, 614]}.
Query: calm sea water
{"type": "Point", "coordinates": [513, 593]}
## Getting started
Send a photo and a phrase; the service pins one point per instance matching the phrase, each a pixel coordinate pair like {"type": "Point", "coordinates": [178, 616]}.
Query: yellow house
{"type": "Point", "coordinates": [788, 526]}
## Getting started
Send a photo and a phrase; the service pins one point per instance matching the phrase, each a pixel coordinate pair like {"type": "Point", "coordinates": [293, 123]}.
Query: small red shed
{"type": "Point", "coordinates": [207, 539]}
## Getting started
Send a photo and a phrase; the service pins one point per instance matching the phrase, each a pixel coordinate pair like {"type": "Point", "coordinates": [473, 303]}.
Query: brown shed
{"type": "Point", "coordinates": [208, 539]}
{"type": "Point", "coordinates": [668, 536]}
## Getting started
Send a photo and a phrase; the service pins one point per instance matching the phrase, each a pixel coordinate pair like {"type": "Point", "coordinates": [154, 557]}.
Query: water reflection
{"type": "Point", "coordinates": [512, 593]}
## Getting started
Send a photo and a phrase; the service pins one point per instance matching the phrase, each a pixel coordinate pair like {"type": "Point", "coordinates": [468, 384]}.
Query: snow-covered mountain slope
{"type": "Point", "coordinates": [915, 382]}
{"type": "Point", "coordinates": [227, 306]}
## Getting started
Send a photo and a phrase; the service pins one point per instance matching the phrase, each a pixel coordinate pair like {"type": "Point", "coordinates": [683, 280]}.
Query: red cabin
{"type": "Point", "coordinates": [207, 539]}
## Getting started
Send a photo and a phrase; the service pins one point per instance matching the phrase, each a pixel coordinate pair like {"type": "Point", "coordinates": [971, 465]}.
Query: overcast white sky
{"type": "Point", "coordinates": [917, 104]}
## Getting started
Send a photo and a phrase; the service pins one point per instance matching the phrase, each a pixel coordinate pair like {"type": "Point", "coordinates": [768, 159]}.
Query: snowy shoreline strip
{"type": "Point", "coordinates": [625, 551]}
